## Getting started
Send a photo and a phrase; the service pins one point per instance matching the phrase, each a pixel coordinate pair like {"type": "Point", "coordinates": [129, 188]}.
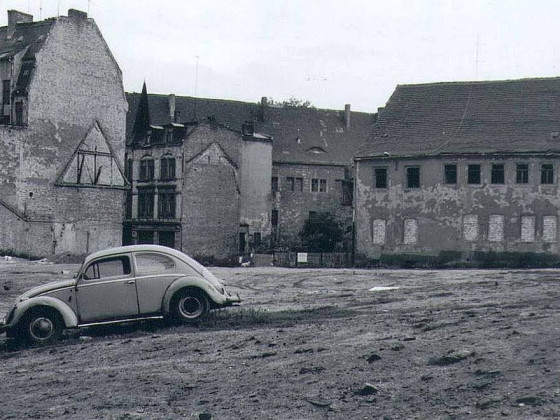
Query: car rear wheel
{"type": "Point", "coordinates": [41, 327]}
{"type": "Point", "coordinates": [190, 306]}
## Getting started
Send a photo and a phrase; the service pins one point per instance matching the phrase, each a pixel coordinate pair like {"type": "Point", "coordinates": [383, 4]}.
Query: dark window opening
{"type": "Point", "coordinates": [413, 177]}
{"type": "Point", "coordinates": [295, 184]}
{"type": "Point", "coordinates": [146, 170]}
{"type": "Point", "coordinates": [347, 193]}
{"type": "Point", "coordinates": [145, 204]}
{"type": "Point", "coordinates": [547, 173]}
{"type": "Point", "coordinates": [473, 174]}
{"type": "Point", "coordinates": [6, 92]}
{"type": "Point", "coordinates": [166, 204]}
{"type": "Point", "coordinates": [19, 113]}
{"type": "Point", "coordinates": [274, 218]}
{"type": "Point", "coordinates": [274, 184]}
{"type": "Point", "coordinates": [380, 178]}
{"type": "Point", "coordinates": [167, 168]}
{"type": "Point", "coordinates": [522, 173]}
{"type": "Point", "coordinates": [450, 172]}
{"type": "Point", "coordinates": [498, 174]}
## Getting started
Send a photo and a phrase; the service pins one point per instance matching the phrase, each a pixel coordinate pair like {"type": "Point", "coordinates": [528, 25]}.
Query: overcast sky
{"type": "Point", "coordinates": [330, 52]}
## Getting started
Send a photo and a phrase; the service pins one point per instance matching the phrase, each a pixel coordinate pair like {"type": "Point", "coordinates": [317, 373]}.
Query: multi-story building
{"type": "Point", "coordinates": [462, 169]}
{"type": "Point", "coordinates": [308, 172]}
{"type": "Point", "coordinates": [62, 137]}
{"type": "Point", "coordinates": [197, 186]}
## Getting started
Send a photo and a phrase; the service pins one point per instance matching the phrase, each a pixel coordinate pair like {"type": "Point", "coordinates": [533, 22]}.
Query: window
{"type": "Point", "coordinates": [496, 228]}
{"type": "Point", "coordinates": [274, 184]}
{"type": "Point", "coordinates": [380, 177]}
{"type": "Point", "coordinates": [6, 92]}
{"type": "Point", "coordinates": [347, 192]}
{"type": "Point", "coordinates": [470, 227]}
{"type": "Point", "coordinates": [170, 135]}
{"type": "Point", "coordinates": [527, 228]}
{"type": "Point", "coordinates": [522, 173]}
{"type": "Point", "coordinates": [295, 184]}
{"type": "Point", "coordinates": [19, 113]}
{"type": "Point", "coordinates": [378, 231]}
{"type": "Point", "coordinates": [274, 218]}
{"type": "Point", "coordinates": [318, 185]}
{"type": "Point", "coordinates": [550, 226]}
{"type": "Point", "coordinates": [146, 203]}
{"type": "Point", "coordinates": [473, 174]}
{"type": "Point", "coordinates": [450, 174]}
{"type": "Point", "coordinates": [146, 169]}
{"type": "Point", "coordinates": [413, 177]}
{"type": "Point", "coordinates": [149, 263]}
{"type": "Point", "coordinates": [167, 168]}
{"type": "Point", "coordinates": [166, 203]}
{"type": "Point", "coordinates": [498, 173]}
{"type": "Point", "coordinates": [547, 173]}
{"type": "Point", "coordinates": [410, 231]}
{"type": "Point", "coordinates": [110, 267]}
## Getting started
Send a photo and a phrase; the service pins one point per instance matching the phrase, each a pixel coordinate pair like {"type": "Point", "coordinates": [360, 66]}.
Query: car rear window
{"type": "Point", "coordinates": [151, 263]}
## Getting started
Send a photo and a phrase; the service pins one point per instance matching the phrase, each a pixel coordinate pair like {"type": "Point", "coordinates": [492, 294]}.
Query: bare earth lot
{"type": "Point", "coordinates": [307, 344]}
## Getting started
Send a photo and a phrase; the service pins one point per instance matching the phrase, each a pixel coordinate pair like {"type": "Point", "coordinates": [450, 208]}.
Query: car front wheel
{"type": "Point", "coordinates": [41, 327]}
{"type": "Point", "coordinates": [190, 306]}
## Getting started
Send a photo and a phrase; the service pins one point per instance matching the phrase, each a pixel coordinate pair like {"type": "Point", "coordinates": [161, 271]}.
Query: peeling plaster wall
{"type": "Point", "coordinates": [294, 206]}
{"type": "Point", "coordinates": [456, 217]}
{"type": "Point", "coordinates": [76, 82]}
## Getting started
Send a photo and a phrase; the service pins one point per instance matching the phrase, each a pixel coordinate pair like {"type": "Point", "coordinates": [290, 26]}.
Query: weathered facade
{"type": "Point", "coordinates": [200, 187]}
{"type": "Point", "coordinates": [307, 171]}
{"type": "Point", "coordinates": [62, 138]}
{"type": "Point", "coordinates": [455, 169]}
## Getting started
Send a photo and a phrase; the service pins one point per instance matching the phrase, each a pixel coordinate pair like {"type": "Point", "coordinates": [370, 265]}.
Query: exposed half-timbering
{"type": "Point", "coordinates": [461, 168]}
{"type": "Point", "coordinates": [62, 137]}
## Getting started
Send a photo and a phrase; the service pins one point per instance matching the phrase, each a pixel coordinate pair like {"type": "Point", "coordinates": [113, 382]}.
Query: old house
{"type": "Point", "coordinates": [197, 186]}
{"type": "Point", "coordinates": [308, 171]}
{"type": "Point", "coordinates": [61, 137]}
{"type": "Point", "coordinates": [460, 170]}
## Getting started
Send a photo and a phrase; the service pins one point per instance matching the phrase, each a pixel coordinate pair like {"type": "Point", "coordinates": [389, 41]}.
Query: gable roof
{"type": "Point", "coordinates": [510, 116]}
{"type": "Point", "coordinates": [296, 132]}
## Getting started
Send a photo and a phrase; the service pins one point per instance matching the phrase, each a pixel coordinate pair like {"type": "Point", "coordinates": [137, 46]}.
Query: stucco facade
{"type": "Point", "coordinates": [62, 154]}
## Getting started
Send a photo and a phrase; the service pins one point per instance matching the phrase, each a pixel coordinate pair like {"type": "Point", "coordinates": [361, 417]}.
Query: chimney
{"type": "Point", "coordinates": [15, 17]}
{"type": "Point", "coordinates": [380, 111]}
{"type": "Point", "coordinates": [77, 14]}
{"type": "Point", "coordinates": [248, 129]}
{"type": "Point", "coordinates": [264, 106]}
{"type": "Point", "coordinates": [347, 115]}
{"type": "Point", "coordinates": [171, 103]}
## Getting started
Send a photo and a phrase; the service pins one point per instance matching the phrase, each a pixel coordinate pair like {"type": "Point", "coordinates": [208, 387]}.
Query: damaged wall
{"type": "Point", "coordinates": [508, 217]}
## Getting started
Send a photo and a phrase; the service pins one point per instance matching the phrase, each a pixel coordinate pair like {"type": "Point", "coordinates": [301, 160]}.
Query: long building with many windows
{"type": "Point", "coordinates": [461, 169]}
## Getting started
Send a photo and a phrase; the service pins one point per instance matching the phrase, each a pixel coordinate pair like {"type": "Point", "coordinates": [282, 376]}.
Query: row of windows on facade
{"type": "Point", "coordinates": [497, 175]}
{"type": "Point", "coordinates": [471, 231]}
{"type": "Point", "coordinates": [166, 135]}
{"type": "Point", "coordinates": [296, 184]}
{"type": "Point", "coordinates": [5, 116]}
{"type": "Point", "coordinates": [147, 169]}
{"type": "Point", "coordinates": [166, 203]}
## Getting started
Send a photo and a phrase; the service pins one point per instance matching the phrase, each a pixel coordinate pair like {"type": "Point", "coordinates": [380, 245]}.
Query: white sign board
{"type": "Point", "coordinates": [302, 257]}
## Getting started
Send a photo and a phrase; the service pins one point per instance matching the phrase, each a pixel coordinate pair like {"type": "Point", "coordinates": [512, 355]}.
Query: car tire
{"type": "Point", "coordinates": [189, 306]}
{"type": "Point", "coordinates": [41, 326]}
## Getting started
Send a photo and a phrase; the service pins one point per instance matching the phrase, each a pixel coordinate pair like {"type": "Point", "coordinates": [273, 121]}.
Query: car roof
{"type": "Point", "coordinates": [137, 248]}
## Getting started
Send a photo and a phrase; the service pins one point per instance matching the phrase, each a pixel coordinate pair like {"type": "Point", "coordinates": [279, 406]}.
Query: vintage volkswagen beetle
{"type": "Point", "coordinates": [115, 285]}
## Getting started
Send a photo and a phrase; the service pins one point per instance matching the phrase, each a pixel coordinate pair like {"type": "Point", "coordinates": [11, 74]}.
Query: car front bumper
{"type": "Point", "coordinates": [232, 300]}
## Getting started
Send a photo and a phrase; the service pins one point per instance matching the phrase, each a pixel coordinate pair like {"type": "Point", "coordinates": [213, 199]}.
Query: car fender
{"type": "Point", "coordinates": [195, 282]}
{"type": "Point", "coordinates": [68, 315]}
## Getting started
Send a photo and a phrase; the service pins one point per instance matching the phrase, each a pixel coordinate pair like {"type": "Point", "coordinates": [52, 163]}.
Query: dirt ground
{"type": "Point", "coordinates": [307, 344]}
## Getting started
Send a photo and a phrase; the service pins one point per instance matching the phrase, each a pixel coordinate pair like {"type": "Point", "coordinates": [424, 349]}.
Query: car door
{"type": "Point", "coordinates": [106, 290]}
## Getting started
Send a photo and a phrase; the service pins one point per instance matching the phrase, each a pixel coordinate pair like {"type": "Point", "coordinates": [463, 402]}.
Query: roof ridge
{"type": "Point", "coordinates": [479, 82]}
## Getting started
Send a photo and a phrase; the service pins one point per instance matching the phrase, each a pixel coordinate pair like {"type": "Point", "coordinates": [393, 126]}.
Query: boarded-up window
{"type": "Point", "coordinates": [496, 228]}
{"type": "Point", "coordinates": [528, 228]}
{"type": "Point", "coordinates": [378, 228]}
{"type": "Point", "coordinates": [410, 231]}
{"type": "Point", "coordinates": [550, 224]}
{"type": "Point", "coordinates": [470, 227]}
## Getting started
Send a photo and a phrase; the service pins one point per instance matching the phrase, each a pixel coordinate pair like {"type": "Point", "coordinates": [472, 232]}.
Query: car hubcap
{"type": "Point", "coordinates": [41, 328]}
{"type": "Point", "coordinates": [190, 307]}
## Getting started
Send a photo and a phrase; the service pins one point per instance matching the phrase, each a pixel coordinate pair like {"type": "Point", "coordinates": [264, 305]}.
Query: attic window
{"type": "Point", "coordinates": [316, 150]}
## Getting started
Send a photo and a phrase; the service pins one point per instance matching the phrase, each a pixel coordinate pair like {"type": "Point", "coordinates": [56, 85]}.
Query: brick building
{"type": "Point", "coordinates": [462, 169]}
{"type": "Point", "coordinates": [308, 172]}
{"type": "Point", "coordinates": [62, 137]}
{"type": "Point", "coordinates": [197, 186]}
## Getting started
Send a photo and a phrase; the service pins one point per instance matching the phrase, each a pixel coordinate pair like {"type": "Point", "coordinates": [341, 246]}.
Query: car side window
{"type": "Point", "coordinates": [108, 267]}
{"type": "Point", "coordinates": [151, 263]}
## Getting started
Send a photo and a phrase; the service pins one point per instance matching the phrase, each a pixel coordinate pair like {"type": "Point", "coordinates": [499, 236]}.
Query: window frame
{"type": "Point", "coordinates": [450, 169]}
{"type": "Point", "coordinates": [547, 174]}
{"type": "Point", "coordinates": [521, 174]}
{"type": "Point", "coordinates": [477, 167]}
{"type": "Point", "coordinates": [413, 177]}
{"type": "Point", "coordinates": [380, 178]}
{"type": "Point", "coordinates": [498, 174]}
{"type": "Point", "coordinates": [147, 169]}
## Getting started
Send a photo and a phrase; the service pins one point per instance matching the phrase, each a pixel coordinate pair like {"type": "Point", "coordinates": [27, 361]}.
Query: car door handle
{"type": "Point", "coordinates": [130, 282]}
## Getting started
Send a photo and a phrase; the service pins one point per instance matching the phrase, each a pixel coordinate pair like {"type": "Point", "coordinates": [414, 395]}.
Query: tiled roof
{"type": "Point", "coordinates": [300, 135]}
{"type": "Point", "coordinates": [511, 116]}
{"type": "Point", "coordinates": [30, 35]}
